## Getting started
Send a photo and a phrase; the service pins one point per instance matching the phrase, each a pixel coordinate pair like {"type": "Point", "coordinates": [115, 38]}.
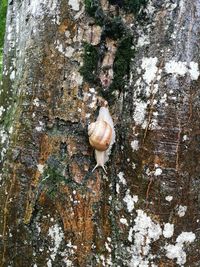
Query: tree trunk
{"type": "Point", "coordinates": [62, 60]}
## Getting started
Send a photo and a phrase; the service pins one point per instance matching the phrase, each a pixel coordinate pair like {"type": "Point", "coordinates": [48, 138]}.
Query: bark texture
{"type": "Point", "coordinates": [145, 211]}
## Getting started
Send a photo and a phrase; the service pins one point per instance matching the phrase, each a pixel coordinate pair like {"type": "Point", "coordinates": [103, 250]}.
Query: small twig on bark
{"type": "Point", "coordinates": [148, 190]}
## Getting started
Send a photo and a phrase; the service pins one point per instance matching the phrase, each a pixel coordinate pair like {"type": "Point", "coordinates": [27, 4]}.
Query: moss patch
{"type": "Point", "coordinates": [114, 28]}
{"type": "Point", "coordinates": [55, 177]}
{"type": "Point", "coordinates": [52, 178]}
{"type": "Point", "coordinates": [121, 66]}
{"type": "Point", "coordinates": [132, 6]}
{"type": "Point", "coordinates": [90, 62]}
{"type": "Point", "coordinates": [91, 7]}
{"type": "Point", "coordinates": [3, 11]}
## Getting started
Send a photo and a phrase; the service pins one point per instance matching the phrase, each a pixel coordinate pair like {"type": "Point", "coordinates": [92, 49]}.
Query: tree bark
{"type": "Point", "coordinates": [145, 211]}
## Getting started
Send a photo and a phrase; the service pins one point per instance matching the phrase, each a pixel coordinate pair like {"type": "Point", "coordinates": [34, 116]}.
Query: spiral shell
{"type": "Point", "coordinates": [100, 135]}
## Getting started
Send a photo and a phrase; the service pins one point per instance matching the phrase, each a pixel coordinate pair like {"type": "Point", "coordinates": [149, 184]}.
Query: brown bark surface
{"type": "Point", "coordinates": [53, 210]}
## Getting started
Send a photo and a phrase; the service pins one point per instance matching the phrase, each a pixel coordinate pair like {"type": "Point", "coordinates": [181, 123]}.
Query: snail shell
{"type": "Point", "coordinates": [100, 134]}
{"type": "Point", "coordinates": [102, 137]}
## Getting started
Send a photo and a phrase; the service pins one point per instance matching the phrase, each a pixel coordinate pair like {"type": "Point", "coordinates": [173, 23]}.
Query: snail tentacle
{"type": "Point", "coordinates": [97, 165]}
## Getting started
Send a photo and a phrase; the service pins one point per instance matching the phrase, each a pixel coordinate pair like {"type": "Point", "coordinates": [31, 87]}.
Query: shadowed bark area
{"type": "Point", "coordinates": [61, 59]}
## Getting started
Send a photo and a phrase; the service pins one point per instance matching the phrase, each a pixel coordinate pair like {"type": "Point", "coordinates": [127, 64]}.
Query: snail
{"type": "Point", "coordinates": [102, 137]}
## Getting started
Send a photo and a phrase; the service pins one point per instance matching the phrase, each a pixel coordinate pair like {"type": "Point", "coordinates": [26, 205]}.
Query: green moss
{"type": "Point", "coordinates": [132, 6]}
{"type": "Point", "coordinates": [91, 7]}
{"type": "Point", "coordinates": [114, 28]}
{"type": "Point", "coordinates": [9, 115]}
{"type": "Point", "coordinates": [90, 62]}
{"type": "Point", "coordinates": [100, 17]}
{"type": "Point", "coordinates": [121, 66]}
{"type": "Point", "coordinates": [52, 178]}
{"type": "Point", "coordinates": [3, 11]}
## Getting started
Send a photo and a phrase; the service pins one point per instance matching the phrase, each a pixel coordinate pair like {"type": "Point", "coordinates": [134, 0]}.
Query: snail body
{"type": "Point", "coordinates": [102, 137]}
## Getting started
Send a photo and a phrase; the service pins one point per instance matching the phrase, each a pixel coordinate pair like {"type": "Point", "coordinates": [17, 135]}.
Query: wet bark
{"type": "Point", "coordinates": [145, 211]}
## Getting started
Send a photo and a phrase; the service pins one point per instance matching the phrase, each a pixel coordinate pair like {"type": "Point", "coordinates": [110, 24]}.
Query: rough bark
{"type": "Point", "coordinates": [53, 210]}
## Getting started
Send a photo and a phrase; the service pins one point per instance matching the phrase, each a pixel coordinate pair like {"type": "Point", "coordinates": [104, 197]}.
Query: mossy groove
{"type": "Point", "coordinates": [3, 11]}
{"type": "Point", "coordinates": [114, 28]}
{"type": "Point", "coordinates": [90, 59]}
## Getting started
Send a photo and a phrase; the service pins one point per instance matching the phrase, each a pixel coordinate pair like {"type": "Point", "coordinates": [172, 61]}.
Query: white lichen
{"type": "Point", "coordinates": [70, 245]}
{"type": "Point", "coordinates": [122, 180]}
{"type": "Point", "coordinates": [158, 172]}
{"type": "Point", "coordinates": [130, 234]}
{"type": "Point", "coordinates": [40, 168]}
{"type": "Point", "coordinates": [169, 198]}
{"type": "Point", "coordinates": [177, 251]}
{"type": "Point", "coordinates": [87, 115]}
{"type": "Point", "coordinates": [93, 104]}
{"type": "Point", "coordinates": [182, 67]}
{"type": "Point", "coordinates": [108, 247]}
{"type": "Point", "coordinates": [145, 233]}
{"type": "Point", "coordinates": [176, 67]}
{"type": "Point", "coordinates": [12, 75]}
{"type": "Point", "coordinates": [117, 188]}
{"type": "Point", "coordinates": [69, 51]}
{"type": "Point", "coordinates": [168, 230]}
{"type": "Point", "coordinates": [181, 210]}
{"type": "Point", "coordinates": [185, 138]}
{"type": "Point", "coordinates": [49, 263]}
{"type": "Point", "coordinates": [140, 111]}
{"type": "Point", "coordinates": [2, 109]}
{"type": "Point", "coordinates": [135, 145]}
{"type": "Point", "coordinates": [68, 263]}
{"type": "Point", "coordinates": [40, 127]}
{"type": "Point", "coordinates": [186, 237]}
{"type": "Point", "coordinates": [57, 235]}
{"type": "Point", "coordinates": [163, 99]}
{"type": "Point", "coordinates": [3, 136]}
{"type": "Point", "coordinates": [143, 40]}
{"type": "Point", "coordinates": [37, 9]}
{"type": "Point", "coordinates": [123, 221]}
{"type": "Point", "coordinates": [74, 5]}
{"type": "Point", "coordinates": [130, 201]}
{"type": "Point", "coordinates": [149, 65]}
{"type": "Point", "coordinates": [76, 78]}
{"type": "Point", "coordinates": [194, 70]}
{"type": "Point", "coordinates": [36, 102]}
